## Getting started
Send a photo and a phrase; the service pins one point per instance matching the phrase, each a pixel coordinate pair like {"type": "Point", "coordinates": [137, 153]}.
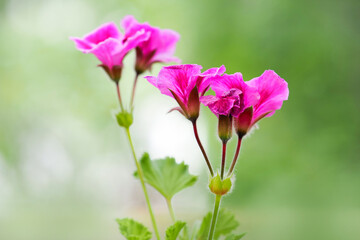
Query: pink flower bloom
{"type": "Point", "coordinates": [110, 46]}
{"type": "Point", "coordinates": [183, 82]}
{"type": "Point", "coordinates": [273, 90]}
{"type": "Point", "coordinates": [159, 47]}
{"type": "Point", "coordinates": [233, 95]}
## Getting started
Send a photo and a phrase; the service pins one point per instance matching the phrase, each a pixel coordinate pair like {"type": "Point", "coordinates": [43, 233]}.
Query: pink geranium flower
{"type": "Point", "coordinates": [110, 46]}
{"type": "Point", "coordinates": [159, 47]}
{"type": "Point", "coordinates": [233, 95]}
{"type": "Point", "coordinates": [185, 83]}
{"type": "Point", "coordinates": [272, 90]}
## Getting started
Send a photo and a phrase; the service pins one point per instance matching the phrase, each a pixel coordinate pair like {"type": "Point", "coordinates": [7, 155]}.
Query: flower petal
{"type": "Point", "coordinates": [273, 91]}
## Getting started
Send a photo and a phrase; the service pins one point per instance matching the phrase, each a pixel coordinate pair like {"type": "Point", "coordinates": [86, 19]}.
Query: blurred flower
{"type": "Point", "coordinates": [159, 47]}
{"type": "Point", "coordinates": [184, 83]}
{"type": "Point", "coordinates": [110, 46]}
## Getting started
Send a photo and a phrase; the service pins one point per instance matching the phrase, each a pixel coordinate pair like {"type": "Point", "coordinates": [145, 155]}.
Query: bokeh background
{"type": "Point", "coordinates": [65, 166]}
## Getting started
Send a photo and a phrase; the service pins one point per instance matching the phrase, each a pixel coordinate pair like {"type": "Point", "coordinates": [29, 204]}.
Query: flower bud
{"type": "Point", "coordinates": [218, 186]}
{"type": "Point", "coordinates": [243, 122]}
{"type": "Point", "coordinates": [124, 119]}
{"type": "Point", "coordinates": [225, 127]}
{"type": "Point", "coordinates": [193, 105]}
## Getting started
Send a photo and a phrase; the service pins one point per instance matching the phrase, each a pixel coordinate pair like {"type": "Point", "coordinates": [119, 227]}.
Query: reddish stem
{"type": "Point", "coordinates": [202, 148]}
{"type": "Point", "coordinates": [133, 90]}
{"type": "Point", "coordinates": [223, 159]}
{"type": "Point", "coordinates": [235, 156]}
{"type": "Point", "coordinates": [119, 96]}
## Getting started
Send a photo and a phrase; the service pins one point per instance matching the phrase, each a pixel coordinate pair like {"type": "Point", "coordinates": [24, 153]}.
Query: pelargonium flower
{"type": "Point", "coordinates": [159, 47]}
{"type": "Point", "coordinates": [260, 97]}
{"type": "Point", "coordinates": [110, 46]}
{"type": "Point", "coordinates": [233, 95]}
{"type": "Point", "coordinates": [184, 83]}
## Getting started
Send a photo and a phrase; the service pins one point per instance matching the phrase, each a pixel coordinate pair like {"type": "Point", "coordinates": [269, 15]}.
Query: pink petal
{"type": "Point", "coordinates": [106, 50]}
{"type": "Point", "coordinates": [165, 46]}
{"type": "Point", "coordinates": [129, 44]}
{"type": "Point", "coordinates": [128, 21]}
{"type": "Point", "coordinates": [205, 79]}
{"type": "Point", "coordinates": [273, 91]}
{"type": "Point", "coordinates": [176, 78]}
{"type": "Point", "coordinates": [219, 106]}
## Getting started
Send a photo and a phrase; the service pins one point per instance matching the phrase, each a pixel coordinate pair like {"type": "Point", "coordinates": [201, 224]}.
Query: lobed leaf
{"type": "Point", "coordinates": [173, 231]}
{"type": "Point", "coordinates": [165, 175]}
{"type": "Point", "coordinates": [225, 224]}
{"type": "Point", "coordinates": [133, 230]}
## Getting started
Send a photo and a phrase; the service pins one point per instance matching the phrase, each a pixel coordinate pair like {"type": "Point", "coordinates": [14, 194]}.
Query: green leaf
{"type": "Point", "coordinates": [173, 231]}
{"type": "Point", "coordinates": [184, 235]}
{"type": "Point", "coordinates": [225, 224]}
{"type": "Point", "coordinates": [165, 175]}
{"type": "Point", "coordinates": [133, 230]}
{"type": "Point", "coordinates": [234, 237]}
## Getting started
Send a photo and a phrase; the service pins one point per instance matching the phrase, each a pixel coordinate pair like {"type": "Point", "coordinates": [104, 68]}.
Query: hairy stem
{"type": "Point", "coordinates": [223, 159]}
{"type": "Point", "coordinates": [141, 177]}
{"type": "Point", "coordinates": [171, 210]}
{"type": "Point", "coordinates": [202, 148]}
{"type": "Point", "coordinates": [235, 157]}
{"type": "Point", "coordinates": [214, 216]}
{"type": "Point", "coordinates": [133, 90]}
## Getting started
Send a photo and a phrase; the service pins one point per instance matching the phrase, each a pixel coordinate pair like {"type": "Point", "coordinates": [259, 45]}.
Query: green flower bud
{"type": "Point", "coordinates": [218, 186]}
{"type": "Point", "coordinates": [124, 119]}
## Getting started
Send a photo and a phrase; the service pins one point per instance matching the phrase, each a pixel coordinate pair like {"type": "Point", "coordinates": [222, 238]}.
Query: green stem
{"type": "Point", "coordinates": [171, 210]}
{"type": "Point", "coordinates": [141, 177]}
{"type": "Point", "coordinates": [214, 216]}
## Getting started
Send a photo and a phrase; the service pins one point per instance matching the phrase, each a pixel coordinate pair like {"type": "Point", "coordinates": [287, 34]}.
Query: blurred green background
{"type": "Point", "coordinates": [66, 168]}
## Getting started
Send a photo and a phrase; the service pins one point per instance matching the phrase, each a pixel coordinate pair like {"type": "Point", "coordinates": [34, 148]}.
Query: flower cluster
{"type": "Point", "coordinates": [110, 46]}
{"type": "Point", "coordinates": [238, 105]}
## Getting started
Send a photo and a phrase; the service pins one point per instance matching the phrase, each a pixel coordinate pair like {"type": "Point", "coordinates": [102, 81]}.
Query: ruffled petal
{"type": "Point", "coordinates": [273, 90]}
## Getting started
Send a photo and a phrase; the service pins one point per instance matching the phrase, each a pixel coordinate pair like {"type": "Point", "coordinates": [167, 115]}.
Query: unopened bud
{"type": "Point", "coordinates": [243, 122]}
{"type": "Point", "coordinates": [225, 127]}
{"type": "Point", "coordinates": [124, 119]}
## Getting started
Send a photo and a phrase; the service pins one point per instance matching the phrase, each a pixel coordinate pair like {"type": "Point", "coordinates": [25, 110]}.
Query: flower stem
{"type": "Point", "coordinates": [141, 177]}
{"type": "Point", "coordinates": [133, 90]}
{"type": "Point", "coordinates": [119, 96]}
{"type": "Point", "coordinates": [214, 216]}
{"type": "Point", "coordinates": [223, 159]}
{"type": "Point", "coordinates": [171, 210]}
{"type": "Point", "coordinates": [235, 156]}
{"type": "Point", "coordinates": [202, 148]}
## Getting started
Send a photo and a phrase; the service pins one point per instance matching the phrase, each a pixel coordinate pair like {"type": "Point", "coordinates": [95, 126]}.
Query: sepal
{"type": "Point", "coordinates": [124, 119]}
{"type": "Point", "coordinates": [114, 73]}
{"type": "Point", "coordinates": [243, 122]}
{"type": "Point", "coordinates": [218, 186]}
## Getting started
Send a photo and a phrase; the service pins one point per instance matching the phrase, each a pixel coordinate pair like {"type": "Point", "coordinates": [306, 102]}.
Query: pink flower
{"type": "Point", "coordinates": [272, 90]}
{"type": "Point", "coordinates": [110, 46]}
{"type": "Point", "coordinates": [184, 83]}
{"type": "Point", "coordinates": [233, 95]}
{"type": "Point", "coordinates": [159, 47]}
